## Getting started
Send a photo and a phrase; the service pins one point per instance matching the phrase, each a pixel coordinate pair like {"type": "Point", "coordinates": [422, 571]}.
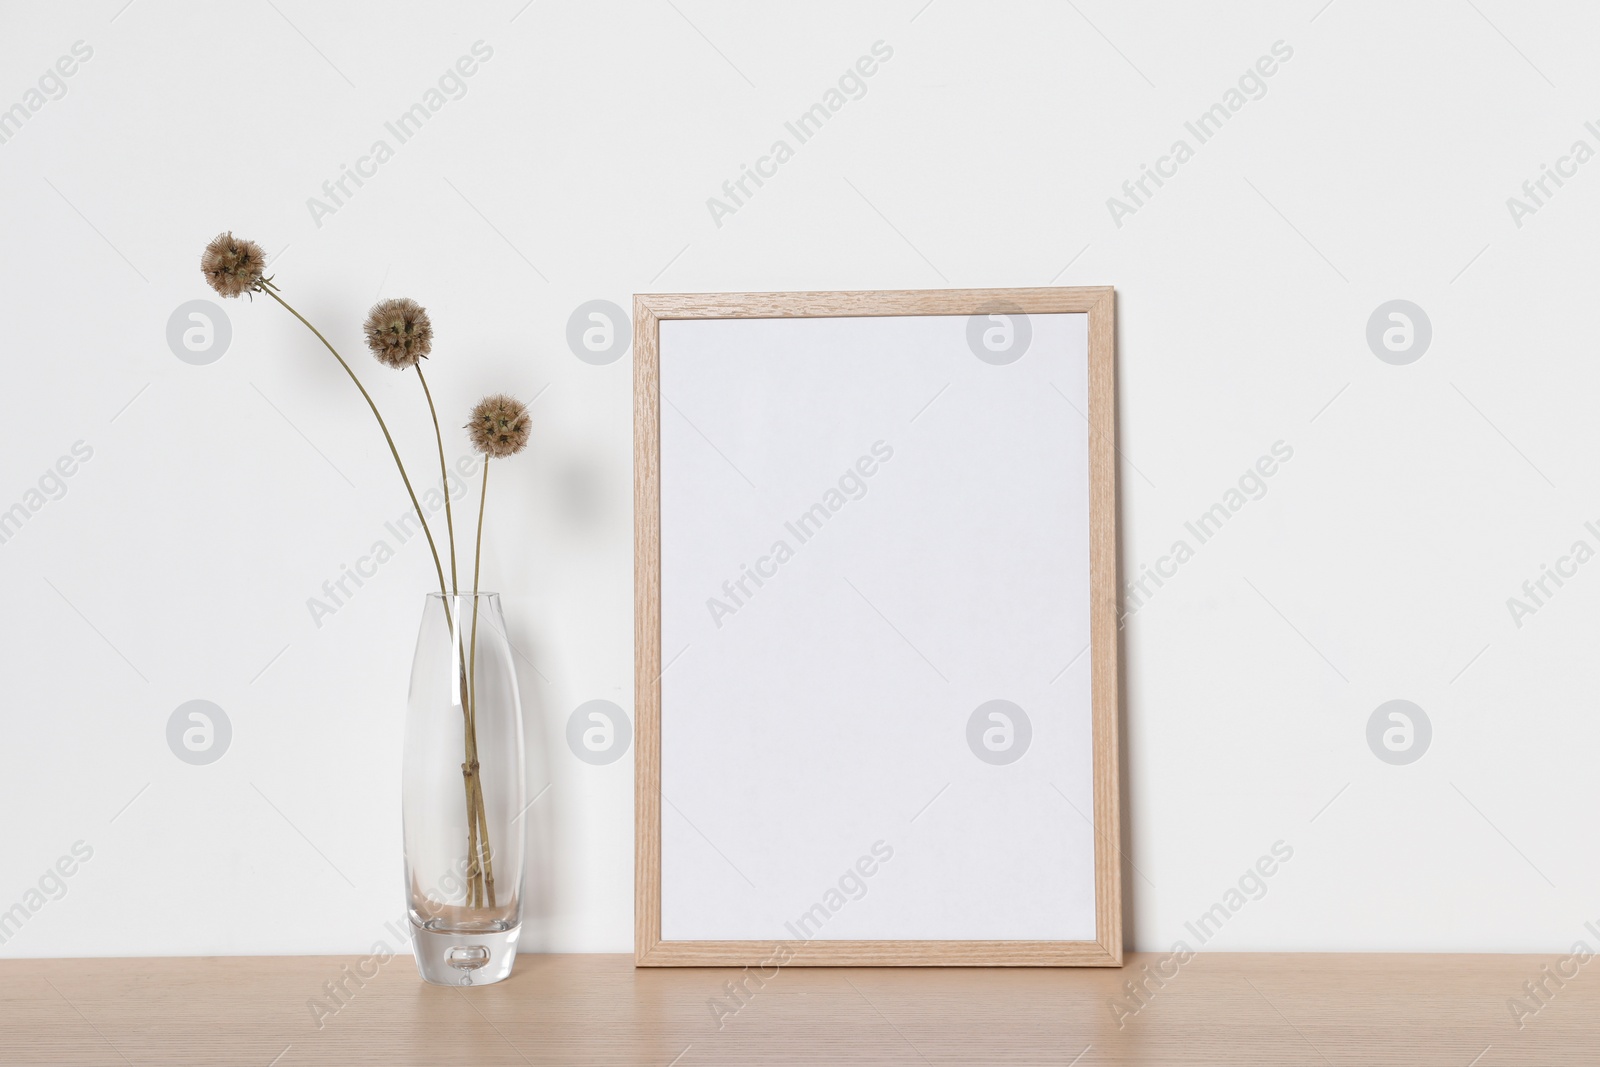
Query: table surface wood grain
{"type": "Point", "coordinates": [1220, 1009]}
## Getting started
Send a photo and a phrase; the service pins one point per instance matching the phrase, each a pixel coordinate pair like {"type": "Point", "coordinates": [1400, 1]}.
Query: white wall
{"type": "Point", "coordinates": [178, 564]}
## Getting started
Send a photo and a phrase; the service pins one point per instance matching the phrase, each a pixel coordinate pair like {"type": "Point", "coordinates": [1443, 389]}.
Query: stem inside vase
{"type": "Point", "coordinates": [480, 867]}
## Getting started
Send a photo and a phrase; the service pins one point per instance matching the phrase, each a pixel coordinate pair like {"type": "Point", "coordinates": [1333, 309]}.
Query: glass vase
{"type": "Point", "coordinates": [462, 793]}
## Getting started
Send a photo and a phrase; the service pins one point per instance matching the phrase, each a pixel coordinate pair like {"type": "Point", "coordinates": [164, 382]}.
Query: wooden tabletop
{"type": "Point", "coordinates": [1452, 1011]}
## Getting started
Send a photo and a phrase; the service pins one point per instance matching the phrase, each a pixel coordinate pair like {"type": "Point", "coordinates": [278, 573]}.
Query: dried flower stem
{"type": "Point", "coordinates": [444, 478]}
{"type": "Point", "coordinates": [469, 775]}
{"type": "Point", "coordinates": [472, 727]}
{"type": "Point", "coordinates": [272, 291]}
{"type": "Point", "coordinates": [480, 869]}
{"type": "Point", "coordinates": [480, 864]}
{"type": "Point", "coordinates": [472, 781]}
{"type": "Point", "coordinates": [480, 877]}
{"type": "Point", "coordinates": [477, 562]}
{"type": "Point", "coordinates": [471, 771]}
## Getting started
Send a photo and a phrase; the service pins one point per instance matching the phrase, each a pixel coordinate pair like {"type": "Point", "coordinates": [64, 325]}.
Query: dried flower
{"type": "Point", "coordinates": [499, 426]}
{"type": "Point", "coordinates": [399, 333]}
{"type": "Point", "coordinates": [232, 265]}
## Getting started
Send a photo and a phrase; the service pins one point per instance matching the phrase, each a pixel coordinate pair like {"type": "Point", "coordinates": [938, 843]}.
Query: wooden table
{"type": "Point", "coordinates": [1216, 1009]}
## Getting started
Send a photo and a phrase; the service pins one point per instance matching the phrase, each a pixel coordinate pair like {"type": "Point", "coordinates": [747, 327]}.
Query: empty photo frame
{"type": "Point", "coordinates": [876, 637]}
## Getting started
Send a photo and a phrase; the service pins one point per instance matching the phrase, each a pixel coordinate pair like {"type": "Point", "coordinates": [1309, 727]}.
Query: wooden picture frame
{"type": "Point", "coordinates": [1098, 305]}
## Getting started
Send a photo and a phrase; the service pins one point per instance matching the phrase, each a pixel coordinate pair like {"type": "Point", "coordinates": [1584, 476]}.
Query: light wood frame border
{"type": "Point", "coordinates": [1099, 302]}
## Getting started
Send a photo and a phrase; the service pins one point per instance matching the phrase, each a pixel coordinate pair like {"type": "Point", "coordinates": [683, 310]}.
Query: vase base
{"type": "Point", "coordinates": [464, 958]}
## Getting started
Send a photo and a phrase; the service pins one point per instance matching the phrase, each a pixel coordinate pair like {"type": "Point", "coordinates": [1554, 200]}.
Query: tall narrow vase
{"type": "Point", "coordinates": [463, 794]}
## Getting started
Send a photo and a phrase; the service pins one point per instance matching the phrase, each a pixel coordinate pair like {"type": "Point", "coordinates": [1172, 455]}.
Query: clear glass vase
{"type": "Point", "coordinates": [462, 793]}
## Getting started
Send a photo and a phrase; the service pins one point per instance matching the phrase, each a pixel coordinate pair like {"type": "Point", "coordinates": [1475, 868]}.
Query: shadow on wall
{"type": "Point", "coordinates": [538, 819]}
{"type": "Point", "coordinates": [1130, 874]}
